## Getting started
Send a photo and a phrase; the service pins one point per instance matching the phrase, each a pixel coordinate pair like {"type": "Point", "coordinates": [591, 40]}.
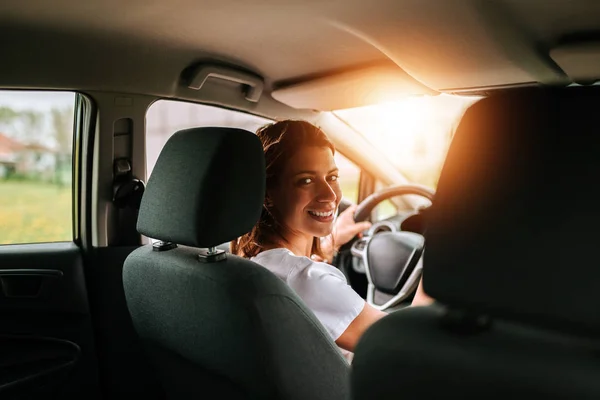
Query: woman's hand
{"type": "Point", "coordinates": [344, 230]}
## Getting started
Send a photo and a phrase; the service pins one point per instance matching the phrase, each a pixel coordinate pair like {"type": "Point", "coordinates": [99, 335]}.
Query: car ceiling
{"type": "Point", "coordinates": [143, 47]}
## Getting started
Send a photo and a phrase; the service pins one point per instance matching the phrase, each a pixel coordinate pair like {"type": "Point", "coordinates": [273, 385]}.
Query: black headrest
{"type": "Point", "coordinates": [513, 230]}
{"type": "Point", "coordinates": [207, 187]}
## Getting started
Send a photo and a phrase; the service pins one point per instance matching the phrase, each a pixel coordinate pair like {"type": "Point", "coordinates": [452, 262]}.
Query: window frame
{"type": "Point", "coordinates": [360, 174]}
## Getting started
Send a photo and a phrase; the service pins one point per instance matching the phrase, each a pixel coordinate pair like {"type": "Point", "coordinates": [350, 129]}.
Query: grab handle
{"type": "Point", "coordinates": [254, 84]}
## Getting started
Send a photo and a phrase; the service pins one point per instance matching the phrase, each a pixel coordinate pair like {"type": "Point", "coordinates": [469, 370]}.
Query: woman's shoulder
{"type": "Point", "coordinates": [282, 258]}
{"type": "Point", "coordinates": [280, 261]}
{"type": "Point", "coordinates": [280, 255]}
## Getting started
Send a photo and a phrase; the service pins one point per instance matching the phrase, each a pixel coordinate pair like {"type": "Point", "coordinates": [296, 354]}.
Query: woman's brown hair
{"type": "Point", "coordinates": [280, 141]}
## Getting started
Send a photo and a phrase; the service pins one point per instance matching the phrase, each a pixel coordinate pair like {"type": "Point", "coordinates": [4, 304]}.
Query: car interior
{"type": "Point", "coordinates": [464, 130]}
{"type": "Point", "coordinates": [478, 341]}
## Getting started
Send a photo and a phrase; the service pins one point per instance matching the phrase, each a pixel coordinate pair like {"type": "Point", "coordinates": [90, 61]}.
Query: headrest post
{"type": "Point", "coordinates": [163, 246]}
{"type": "Point", "coordinates": [212, 254]}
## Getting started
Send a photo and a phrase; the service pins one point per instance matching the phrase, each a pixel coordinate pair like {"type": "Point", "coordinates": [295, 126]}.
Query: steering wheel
{"type": "Point", "coordinates": [392, 260]}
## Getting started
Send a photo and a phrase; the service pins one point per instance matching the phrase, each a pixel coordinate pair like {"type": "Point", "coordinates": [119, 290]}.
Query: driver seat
{"type": "Point", "coordinates": [213, 322]}
{"type": "Point", "coordinates": [512, 259]}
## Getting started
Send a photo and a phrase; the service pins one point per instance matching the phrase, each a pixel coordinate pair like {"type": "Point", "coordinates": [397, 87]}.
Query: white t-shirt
{"type": "Point", "coordinates": [321, 286]}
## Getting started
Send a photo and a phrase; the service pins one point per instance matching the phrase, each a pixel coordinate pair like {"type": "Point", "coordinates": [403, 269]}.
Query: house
{"type": "Point", "coordinates": [9, 154]}
{"type": "Point", "coordinates": [30, 160]}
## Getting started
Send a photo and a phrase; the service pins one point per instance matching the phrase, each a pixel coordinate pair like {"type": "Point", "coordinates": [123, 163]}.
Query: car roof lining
{"type": "Point", "coordinates": [141, 47]}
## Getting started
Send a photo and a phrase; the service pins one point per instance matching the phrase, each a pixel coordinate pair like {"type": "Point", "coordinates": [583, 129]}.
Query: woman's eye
{"type": "Point", "coordinates": [305, 181]}
{"type": "Point", "coordinates": [334, 178]}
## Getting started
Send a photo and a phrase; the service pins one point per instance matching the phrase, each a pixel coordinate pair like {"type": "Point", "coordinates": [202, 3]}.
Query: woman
{"type": "Point", "coordinates": [294, 230]}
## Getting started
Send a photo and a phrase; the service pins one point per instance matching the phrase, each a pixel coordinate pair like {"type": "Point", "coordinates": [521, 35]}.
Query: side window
{"type": "Point", "coordinates": [36, 144]}
{"type": "Point", "coordinates": [165, 117]}
{"type": "Point", "coordinates": [349, 177]}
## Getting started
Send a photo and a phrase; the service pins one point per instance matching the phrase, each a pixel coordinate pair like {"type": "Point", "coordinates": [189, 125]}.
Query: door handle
{"type": "Point", "coordinates": [26, 283]}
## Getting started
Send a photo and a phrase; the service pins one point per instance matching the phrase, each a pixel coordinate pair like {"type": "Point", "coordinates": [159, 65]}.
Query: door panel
{"type": "Point", "coordinates": [46, 339]}
{"type": "Point", "coordinates": [124, 369]}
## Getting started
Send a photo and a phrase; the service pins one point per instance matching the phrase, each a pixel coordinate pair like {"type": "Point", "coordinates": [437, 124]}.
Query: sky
{"type": "Point", "coordinates": [36, 100]}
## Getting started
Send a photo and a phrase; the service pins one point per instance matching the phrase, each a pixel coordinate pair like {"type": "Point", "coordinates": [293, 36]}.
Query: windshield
{"type": "Point", "coordinates": [413, 133]}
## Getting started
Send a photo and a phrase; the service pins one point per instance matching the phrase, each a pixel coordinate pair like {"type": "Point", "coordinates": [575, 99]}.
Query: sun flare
{"type": "Point", "coordinates": [414, 133]}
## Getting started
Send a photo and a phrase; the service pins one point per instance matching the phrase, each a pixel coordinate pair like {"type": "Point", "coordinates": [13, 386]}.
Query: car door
{"type": "Point", "coordinates": [47, 347]}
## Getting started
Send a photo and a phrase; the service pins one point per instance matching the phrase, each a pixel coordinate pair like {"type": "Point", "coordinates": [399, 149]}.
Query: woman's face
{"type": "Point", "coordinates": [307, 193]}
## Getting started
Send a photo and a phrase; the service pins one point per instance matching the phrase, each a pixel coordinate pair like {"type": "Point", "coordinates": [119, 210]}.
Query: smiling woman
{"type": "Point", "coordinates": [302, 195]}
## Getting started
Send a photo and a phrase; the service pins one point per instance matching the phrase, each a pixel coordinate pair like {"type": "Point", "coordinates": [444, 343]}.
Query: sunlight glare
{"type": "Point", "coordinates": [414, 133]}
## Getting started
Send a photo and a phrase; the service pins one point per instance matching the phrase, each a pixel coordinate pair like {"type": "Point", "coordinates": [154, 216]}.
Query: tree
{"type": "Point", "coordinates": [27, 126]}
{"type": "Point", "coordinates": [62, 127]}
{"type": "Point", "coordinates": [7, 119]}
{"type": "Point", "coordinates": [62, 130]}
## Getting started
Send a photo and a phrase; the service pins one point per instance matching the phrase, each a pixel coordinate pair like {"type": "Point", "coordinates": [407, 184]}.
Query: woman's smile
{"type": "Point", "coordinates": [322, 216]}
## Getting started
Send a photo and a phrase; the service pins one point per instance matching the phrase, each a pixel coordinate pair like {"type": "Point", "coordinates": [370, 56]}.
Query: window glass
{"type": "Point", "coordinates": [165, 117]}
{"type": "Point", "coordinates": [36, 143]}
{"type": "Point", "coordinates": [349, 177]}
{"type": "Point", "coordinates": [413, 133]}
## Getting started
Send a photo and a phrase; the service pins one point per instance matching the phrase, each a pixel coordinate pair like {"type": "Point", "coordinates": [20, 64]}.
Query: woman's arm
{"type": "Point", "coordinates": [367, 317]}
{"type": "Point", "coordinates": [421, 299]}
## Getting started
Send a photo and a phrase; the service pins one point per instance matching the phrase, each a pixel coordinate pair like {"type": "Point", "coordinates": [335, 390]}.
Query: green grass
{"type": "Point", "coordinates": [34, 212]}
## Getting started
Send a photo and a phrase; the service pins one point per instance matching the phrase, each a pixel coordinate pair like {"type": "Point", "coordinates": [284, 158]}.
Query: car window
{"type": "Point", "coordinates": [36, 144]}
{"type": "Point", "coordinates": [349, 177]}
{"type": "Point", "coordinates": [413, 133]}
{"type": "Point", "coordinates": [165, 117]}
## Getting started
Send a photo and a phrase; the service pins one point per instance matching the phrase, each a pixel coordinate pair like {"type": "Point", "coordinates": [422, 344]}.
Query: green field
{"type": "Point", "coordinates": [34, 212]}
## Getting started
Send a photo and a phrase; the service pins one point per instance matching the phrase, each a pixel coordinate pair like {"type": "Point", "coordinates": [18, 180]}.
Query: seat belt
{"type": "Point", "coordinates": [127, 196]}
